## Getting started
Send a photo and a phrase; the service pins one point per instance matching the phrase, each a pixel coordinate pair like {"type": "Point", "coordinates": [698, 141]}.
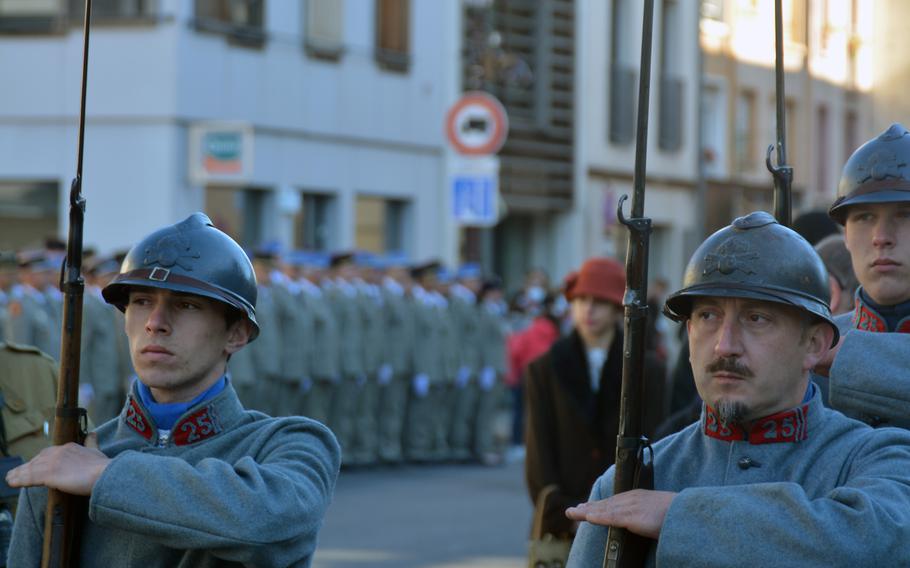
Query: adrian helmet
{"type": "Point", "coordinates": [757, 258]}
{"type": "Point", "coordinates": [191, 257]}
{"type": "Point", "coordinates": [877, 172]}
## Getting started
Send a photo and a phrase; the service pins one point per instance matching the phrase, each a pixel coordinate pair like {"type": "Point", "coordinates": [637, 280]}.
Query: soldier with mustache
{"type": "Point", "coordinates": [185, 475]}
{"type": "Point", "coordinates": [868, 370]}
{"type": "Point", "coordinates": [767, 476]}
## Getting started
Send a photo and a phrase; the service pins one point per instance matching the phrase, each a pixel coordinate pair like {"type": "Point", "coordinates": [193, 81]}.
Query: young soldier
{"type": "Point", "coordinates": [868, 379]}
{"type": "Point", "coordinates": [185, 476]}
{"type": "Point", "coordinates": [768, 476]}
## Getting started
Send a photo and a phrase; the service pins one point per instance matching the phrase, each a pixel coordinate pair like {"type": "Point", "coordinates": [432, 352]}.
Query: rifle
{"type": "Point", "coordinates": [782, 173]}
{"type": "Point", "coordinates": [625, 549]}
{"type": "Point", "coordinates": [64, 511]}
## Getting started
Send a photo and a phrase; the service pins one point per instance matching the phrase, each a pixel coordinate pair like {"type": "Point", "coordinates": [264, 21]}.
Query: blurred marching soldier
{"type": "Point", "coordinates": [342, 298]}
{"type": "Point", "coordinates": [7, 279]}
{"type": "Point", "coordinates": [450, 352]}
{"type": "Point", "coordinates": [47, 272]}
{"type": "Point", "coordinates": [419, 434]}
{"type": "Point", "coordinates": [101, 386]}
{"type": "Point", "coordinates": [28, 322]}
{"type": "Point", "coordinates": [465, 316]}
{"type": "Point", "coordinates": [492, 332]}
{"type": "Point", "coordinates": [293, 334]}
{"type": "Point", "coordinates": [323, 352]}
{"type": "Point", "coordinates": [364, 447]}
{"type": "Point", "coordinates": [255, 370]}
{"type": "Point", "coordinates": [868, 379]}
{"type": "Point", "coordinates": [399, 327]}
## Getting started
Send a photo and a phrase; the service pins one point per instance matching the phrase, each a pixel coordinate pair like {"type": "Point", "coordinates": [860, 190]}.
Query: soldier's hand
{"type": "Point", "coordinates": [70, 468]}
{"type": "Point", "coordinates": [639, 511]}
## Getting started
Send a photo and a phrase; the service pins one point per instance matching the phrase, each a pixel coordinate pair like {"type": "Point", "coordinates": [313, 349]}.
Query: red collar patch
{"type": "Point", "coordinates": [196, 427]}
{"type": "Point", "coordinates": [787, 426]}
{"type": "Point", "coordinates": [136, 419]}
{"type": "Point", "coordinates": [867, 319]}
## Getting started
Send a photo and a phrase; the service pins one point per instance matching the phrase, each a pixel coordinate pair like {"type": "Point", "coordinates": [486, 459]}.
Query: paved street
{"type": "Point", "coordinates": [428, 516]}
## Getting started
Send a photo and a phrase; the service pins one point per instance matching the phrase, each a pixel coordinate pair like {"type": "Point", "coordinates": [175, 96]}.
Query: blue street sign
{"type": "Point", "coordinates": [474, 199]}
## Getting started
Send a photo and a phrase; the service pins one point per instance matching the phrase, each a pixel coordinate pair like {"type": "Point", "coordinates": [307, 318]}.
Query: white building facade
{"type": "Point", "coordinates": [610, 50]}
{"type": "Point", "coordinates": [334, 112]}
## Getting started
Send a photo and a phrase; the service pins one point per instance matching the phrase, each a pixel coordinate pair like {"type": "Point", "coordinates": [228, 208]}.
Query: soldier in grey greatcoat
{"type": "Point", "coordinates": [8, 266]}
{"type": "Point", "coordinates": [450, 352]}
{"type": "Point", "coordinates": [465, 314]}
{"type": "Point", "coordinates": [186, 476]}
{"type": "Point", "coordinates": [256, 370]}
{"type": "Point", "coordinates": [294, 329]}
{"type": "Point", "coordinates": [343, 299]}
{"type": "Point", "coordinates": [28, 322]}
{"type": "Point", "coordinates": [868, 379]}
{"type": "Point", "coordinates": [323, 352]}
{"type": "Point", "coordinates": [369, 302]}
{"type": "Point", "coordinates": [419, 436]}
{"type": "Point", "coordinates": [492, 334]}
{"type": "Point", "coordinates": [768, 476]}
{"type": "Point", "coordinates": [100, 378]}
{"type": "Point", "coordinates": [48, 274]}
{"type": "Point", "coordinates": [396, 373]}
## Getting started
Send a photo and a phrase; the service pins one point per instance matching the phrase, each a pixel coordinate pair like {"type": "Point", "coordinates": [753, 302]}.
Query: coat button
{"type": "Point", "coordinates": [747, 462]}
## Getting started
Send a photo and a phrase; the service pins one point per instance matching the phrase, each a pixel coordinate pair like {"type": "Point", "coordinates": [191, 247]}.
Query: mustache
{"type": "Point", "coordinates": [729, 365]}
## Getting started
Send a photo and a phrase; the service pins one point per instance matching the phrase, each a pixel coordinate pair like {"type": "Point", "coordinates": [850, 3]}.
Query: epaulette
{"type": "Point", "coordinates": [22, 348]}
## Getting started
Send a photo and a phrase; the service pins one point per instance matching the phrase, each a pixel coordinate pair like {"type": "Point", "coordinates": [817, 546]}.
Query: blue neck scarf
{"type": "Point", "coordinates": [165, 415]}
{"type": "Point", "coordinates": [810, 392]}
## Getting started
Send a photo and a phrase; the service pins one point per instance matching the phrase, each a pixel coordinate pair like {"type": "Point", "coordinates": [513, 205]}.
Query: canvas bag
{"type": "Point", "coordinates": [546, 550]}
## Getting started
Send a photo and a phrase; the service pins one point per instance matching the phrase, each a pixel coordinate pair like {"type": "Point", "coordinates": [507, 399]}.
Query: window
{"type": "Point", "coordinates": [622, 74]}
{"type": "Point", "coordinates": [381, 224]}
{"type": "Point", "coordinates": [714, 129]}
{"type": "Point", "coordinates": [323, 30]}
{"type": "Point", "coordinates": [240, 20]}
{"type": "Point", "coordinates": [52, 16]}
{"type": "Point", "coordinates": [821, 149]}
{"type": "Point", "coordinates": [397, 225]}
{"type": "Point", "coordinates": [313, 227]}
{"type": "Point", "coordinates": [28, 212]}
{"type": "Point", "coordinates": [240, 212]}
{"type": "Point", "coordinates": [669, 126]}
{"type": "Point", "coordinates": [112, 11]}
{"type": "Point", "coordinates": [795, 24]}
{"type": "Point", "coordinates": [32, 16]}
{"type": "Point", "coordinates": [745, 127]}
{"type": "Point", "coordinates": [850, 134]}
{"type": "Point", "coordinates": [393, 34]}
{"type": "Point", "coordinates": [713, 9]}
{"type": "Point", "coordinates": [252, 209]}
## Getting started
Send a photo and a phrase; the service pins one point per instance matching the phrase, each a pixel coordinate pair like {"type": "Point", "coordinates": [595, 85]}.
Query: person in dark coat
{"type": "Point", "coordinates": [573, 393]}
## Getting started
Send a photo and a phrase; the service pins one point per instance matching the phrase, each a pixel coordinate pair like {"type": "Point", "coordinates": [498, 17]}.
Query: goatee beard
{"type": "Point", "coordinates": [730, 412]}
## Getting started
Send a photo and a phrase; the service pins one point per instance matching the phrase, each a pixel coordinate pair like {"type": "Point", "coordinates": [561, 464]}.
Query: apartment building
{"type": "Point", "coordinates": [828, 53]}
{"type": "Point", "coordinates": [312, 124]}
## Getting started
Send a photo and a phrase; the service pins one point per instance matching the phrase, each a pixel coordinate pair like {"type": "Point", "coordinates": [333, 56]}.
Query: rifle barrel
{"type": "Point", "coordinates": [624, 549]}
{"type": "Point", "coordinates": [64, 511]}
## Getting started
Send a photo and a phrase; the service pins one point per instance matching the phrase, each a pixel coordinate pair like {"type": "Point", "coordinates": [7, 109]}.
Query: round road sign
{"type": "Point", "coordinates": [477, 124]}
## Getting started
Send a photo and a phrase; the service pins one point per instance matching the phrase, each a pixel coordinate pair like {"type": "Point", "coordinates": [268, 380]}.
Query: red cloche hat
{"type": "Point", "coordinates": [600, 278]}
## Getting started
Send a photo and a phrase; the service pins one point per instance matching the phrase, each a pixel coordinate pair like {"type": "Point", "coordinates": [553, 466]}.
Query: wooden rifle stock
{"type": "Point", "coordinates": [64, 511]}
{"type": "Point", "coordinates": [633, 468]}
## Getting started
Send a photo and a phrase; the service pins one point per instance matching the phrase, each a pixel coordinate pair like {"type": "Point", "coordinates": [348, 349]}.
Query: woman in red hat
{"type": "Point", "coordinates": [572, 395]}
